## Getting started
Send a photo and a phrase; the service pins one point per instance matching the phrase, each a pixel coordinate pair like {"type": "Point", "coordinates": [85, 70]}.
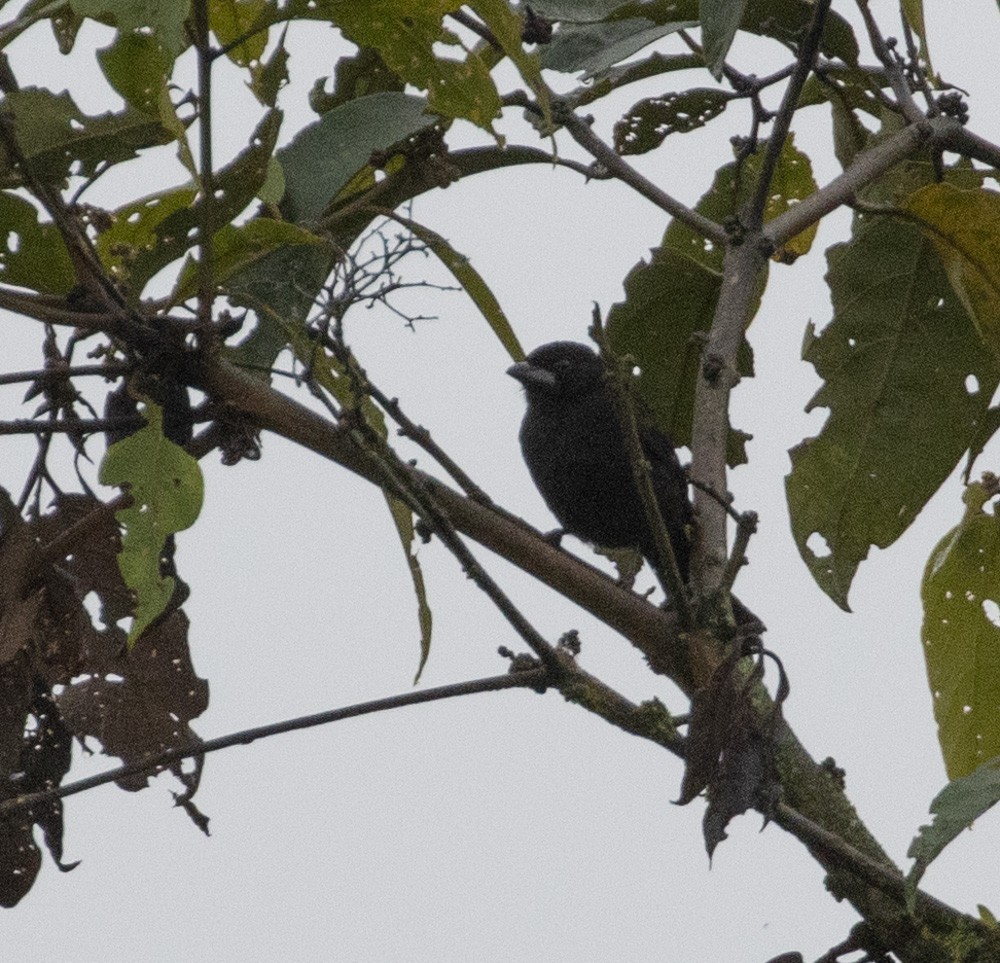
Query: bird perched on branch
{"type": "Point", "coordinates": [573, 445]}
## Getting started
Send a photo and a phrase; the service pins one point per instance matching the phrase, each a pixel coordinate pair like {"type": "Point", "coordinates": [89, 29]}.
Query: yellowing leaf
{"type": "Point", "coordinates": [961, 596]}
{"type": "Point", "coordinates": [230, 20]}
{"type": "Point", "coordinates": [913, 10]}
{"type": "Point", "coordinates": [965, 228]}
{"type": "Point", "coordinates": [792, 182]}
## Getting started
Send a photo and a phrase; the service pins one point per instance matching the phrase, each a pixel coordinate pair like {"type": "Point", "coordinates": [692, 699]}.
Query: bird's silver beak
{"type": "Point", "coordinates": [531, 376]}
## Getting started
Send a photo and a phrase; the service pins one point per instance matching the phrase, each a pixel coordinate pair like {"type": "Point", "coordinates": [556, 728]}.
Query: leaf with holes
{"type": "Point", "coordinates": [54, 135]}
{"type": "Point", "coordinates": [407, 33]}
{"type": "Point", "coordinates": [163, 21]}
{"type": "Point", "coordinates": [167, 491]}
{"type": "Point", "coordinates": [961, 636]}
{"type": "Point", "coordinates": [649, 121]}
{"type": "Point", "coordinates": [147, 235]}
{"type": "Point", "coordinates": [907, 383]}
{"type": "Point", "coordinates": [240, 248]}
{"type": "Point", "coordinates": [32, 255]}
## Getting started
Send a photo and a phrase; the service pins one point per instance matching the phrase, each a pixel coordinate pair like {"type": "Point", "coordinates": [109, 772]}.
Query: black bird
{"type": "Point", "coordinates": [573, 446]}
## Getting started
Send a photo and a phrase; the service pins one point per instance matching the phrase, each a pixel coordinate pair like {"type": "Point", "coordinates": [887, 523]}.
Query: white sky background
{"type": "Point", "coordinates": [503, 826]}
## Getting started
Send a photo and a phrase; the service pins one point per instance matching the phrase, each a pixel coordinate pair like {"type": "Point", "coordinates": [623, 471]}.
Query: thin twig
{"type": "Point", "coordinates": [63, 427]}
{"type": "Point", "coordinates": [893, 69]}
{"type": "Point", "coordinates": [530, 679]}
{"type": "Point", "coordinates": [409, 429]}
{"type": "Point", "coordinates": [783, 119]}
{"type": "Point", "coordinates": [916, 66]}
{"type": "Point", "coordinates": [940, 132]}
{"type": "Point", "coordinates": [477, 27]}
{"type": "Point", "coordinates": [59, 374]}
{"type": "Point", "coordinates": [629, 73]}
{"type": "Point", "coordinates": [582, 133]}
{"type": "Point", "coordinates": [667, 570]}
{"type": "Point", "coordinates": [746, 526]}
{"type": "Point", "coordinates": [400, 480]}
{"type": "Point", "coordinates": [206, 210]}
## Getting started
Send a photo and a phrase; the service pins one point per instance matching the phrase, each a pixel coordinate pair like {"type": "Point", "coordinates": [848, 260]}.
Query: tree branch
{"type": "Point", "coordinates": [528, 679]}
{"type": "Point", "coordinates": [885, 877]}
{"type": "Point", "coordinates": [893, 70]}
{"type": "Point", "coordinates": [59, 374]}
{"type": "Point", "coordinates": [783, 119]}
{"type": "Point", "coordinates": [941, 132]}
{"type": "Point", "coordinates": [206, 171]}
{"type": "Point", "coordinates": [710, 430]}
{"type": "Point", "coordinates": [667, 571]}
{"type": "Point", "coordinates": [582, 133]}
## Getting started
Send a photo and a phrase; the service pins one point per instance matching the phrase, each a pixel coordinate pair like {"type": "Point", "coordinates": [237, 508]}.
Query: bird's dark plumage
{"type": "Point", "coordinates": [573, 446]}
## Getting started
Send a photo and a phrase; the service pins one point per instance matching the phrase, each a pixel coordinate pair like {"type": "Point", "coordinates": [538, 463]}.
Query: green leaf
{"type": "Point", "coordinates": [280, 289]}
{"type": "Point", "coordinates": [163, 19]}
{"type": "Point", "coordinates": [648, 122]}
{"type": "Point", "coordinates": [595, 47]}
{"type": "Point", "coordinates": [667, 300]}
{"type": "Point", "coordinates": [147, 235]}
{"type": "Point", "coordinates": [576, 11]}
{"type": "Point", "coordinates": [356, 76]}
{"type": "Point", "coordinates": [965, 228]}
{"type": "Point", "coordinates": [787, 20]}
{"type": "Point", "coordinates": [230, 20]}
{"type": "Point", "coordinates": [331, 375]}
{"type": "Point", "coordinates": [139, 69]}
{"type": "Point", "coordinates": [720, 19]}
{"type": "Point", "coordinates": [324, 156]}
{"type": "Point", "coordinates": [167, 490]}
{"type": "Point", "coordinates": [962, 639]}
{"type": "Point", "coordinates": [405, 33]}
{"type": "Point", "coordinates": [32, 255]}
{"type": "Point", "coordinates": [267, 77]}
{"type": "Point", "coordinates": [473, 283]}
{"type": "Point", "coordinates": [955, 809]}
{"type": "Point", "coordinates": [907, 383]}
{"type": "Point", "coordinates": [55, 135]}
{"type": "Point", "coordinates": [849, 135]}
{"type": "Point", "coordinates": [505, 24]}
{"type": "Point", "coordinates": [617, 77]}
{"type": "Point", "coordinates": [402, 518]}
{"type": "Point", "coordinates": [240, 248]}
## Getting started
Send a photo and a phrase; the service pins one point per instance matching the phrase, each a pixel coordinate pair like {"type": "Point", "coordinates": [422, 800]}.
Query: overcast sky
{"type": "Point", "coordinates": [503, 826]}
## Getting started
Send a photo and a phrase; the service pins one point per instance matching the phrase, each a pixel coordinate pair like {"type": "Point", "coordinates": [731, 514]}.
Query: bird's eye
{"type": "Point", "coordinates": [561, 366]}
